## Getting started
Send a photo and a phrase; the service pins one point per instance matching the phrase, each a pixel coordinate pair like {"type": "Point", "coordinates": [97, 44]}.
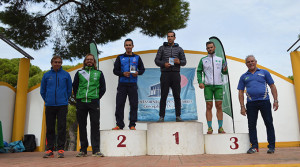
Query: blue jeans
{"type": "Point", "coordinates": [266, 112]}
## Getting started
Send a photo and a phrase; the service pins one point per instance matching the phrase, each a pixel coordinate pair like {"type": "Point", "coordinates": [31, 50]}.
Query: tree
{"type": "Point", "coordinates": [291, 77]}
{"type": "Point", "coordinates": [71, 25]}
{"type": "Point", "coordinates": [71, 128]}
{"type": "Point", "coordinates": [9, 69]}
{"type": "Point", "coordinates": [36, 79]}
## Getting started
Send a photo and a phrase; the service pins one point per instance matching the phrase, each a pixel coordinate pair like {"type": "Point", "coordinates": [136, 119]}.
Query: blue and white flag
{"type": "Point", "coordinates": [149, 96]}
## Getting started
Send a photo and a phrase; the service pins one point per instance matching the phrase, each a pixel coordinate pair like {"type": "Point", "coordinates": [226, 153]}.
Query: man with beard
{"type": "Point", "coordinates": [212, 67]}
{"type": "Point", "coordinates": [169, 58]}
{"type": "Point", "coordinates": [89, 87]}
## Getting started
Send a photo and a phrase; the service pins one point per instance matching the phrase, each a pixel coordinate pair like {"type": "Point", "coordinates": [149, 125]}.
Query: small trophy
{"type": "Point", "coordinates": [171, 61]}
{"type": "Point", "coordinates": [224, 65]}
{"type": "Point", "coordinates": [132, 69]}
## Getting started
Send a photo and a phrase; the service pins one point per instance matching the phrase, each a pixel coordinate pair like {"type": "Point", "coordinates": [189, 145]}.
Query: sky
{"type": "Point", "coordinates": [263, 28]}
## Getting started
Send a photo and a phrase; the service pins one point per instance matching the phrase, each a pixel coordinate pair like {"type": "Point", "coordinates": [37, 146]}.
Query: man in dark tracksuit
{"type": "Point", "coordinates": [56, 88]}
{"type": "Point", "coordinates": [127, 66]}
{"type": "Point", "coordinates": [169, 58]}
{"type": "Point", "coordinates": [89, 87]}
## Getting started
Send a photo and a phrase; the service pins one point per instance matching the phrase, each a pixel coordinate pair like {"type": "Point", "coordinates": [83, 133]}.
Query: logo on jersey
{"type": "Point", "coordinates": [261, 75]}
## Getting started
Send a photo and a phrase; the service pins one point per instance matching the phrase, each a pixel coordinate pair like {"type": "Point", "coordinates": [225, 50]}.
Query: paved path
{"type": "Point", "coordinates": [283, 157]}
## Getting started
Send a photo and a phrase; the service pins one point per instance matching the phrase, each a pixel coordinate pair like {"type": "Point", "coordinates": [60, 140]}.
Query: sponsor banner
{"type": "Point", "coordinates": [149, 96]}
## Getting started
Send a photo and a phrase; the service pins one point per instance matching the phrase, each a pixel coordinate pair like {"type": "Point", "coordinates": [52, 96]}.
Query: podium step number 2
{"type": "Point", "coordinates": [123, 142]}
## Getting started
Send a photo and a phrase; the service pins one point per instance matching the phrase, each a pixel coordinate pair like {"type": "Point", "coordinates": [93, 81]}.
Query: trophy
{"type": "Point", "coordinates": [171, 61]}
{"type": "Point", "coordinates": [132, 69]}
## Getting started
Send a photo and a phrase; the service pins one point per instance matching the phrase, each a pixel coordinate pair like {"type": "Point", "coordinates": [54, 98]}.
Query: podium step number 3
{"type": "Point", "coordinates": [227, 143]}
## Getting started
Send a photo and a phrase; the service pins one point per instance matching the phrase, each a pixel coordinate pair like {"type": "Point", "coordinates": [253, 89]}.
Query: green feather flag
{"type": "Point", "coordinates": [94, 51]}
{"type": "Point", "coordinates": [227, 103]}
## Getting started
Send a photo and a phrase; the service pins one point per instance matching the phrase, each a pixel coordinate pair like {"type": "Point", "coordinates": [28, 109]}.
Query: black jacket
{"type": "Point", "coordinates": [165, 52]}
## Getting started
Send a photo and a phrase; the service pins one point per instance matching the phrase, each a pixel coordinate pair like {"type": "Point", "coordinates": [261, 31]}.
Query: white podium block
{"type": "Point", "coordinates": [231, 143]}
{"type": "Point", "coordinates": [175, 138]}
{"type": "Point", "coordinates": [123, 142]}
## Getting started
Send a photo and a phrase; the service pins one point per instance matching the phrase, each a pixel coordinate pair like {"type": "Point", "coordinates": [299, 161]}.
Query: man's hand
{"type": "Point", "coordinates": [201, 85]}
{"type": "Point", "coordinates": [167, 65]}
{"type": "Point", "coordinates": [275, 106]}
{"type": "Point", "coordinates": [243, 111]}
{"type": "Point", "coordinates": [126, 74]}
{"type": "Point", "coordinates": [135, 74]}
{"type": "Point", "coordinates": [176, 61]}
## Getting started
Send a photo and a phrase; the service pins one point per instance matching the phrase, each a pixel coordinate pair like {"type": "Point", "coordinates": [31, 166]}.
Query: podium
{"type": "Point", "coordinates": [236, 143]}
{"type": "Point", "coordinates": [175, 138]}
{"type": "Point", "coordinates": [171, 138]}
{"type": "Point", "coordinates": [123, 142]}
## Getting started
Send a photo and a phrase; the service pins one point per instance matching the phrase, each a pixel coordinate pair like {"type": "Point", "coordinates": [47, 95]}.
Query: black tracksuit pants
{"type": "Point", "coordinates": [124, 90]}
{"type": "Point", "coordinates": [53, 113]}
{"type": "Point", "coordinates": [167, 80]}
{"type": "Point", "coordinates": [83, 109]}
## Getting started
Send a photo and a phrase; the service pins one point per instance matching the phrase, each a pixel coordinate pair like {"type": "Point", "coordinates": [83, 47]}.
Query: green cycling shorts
{"type": "Point", "coordinates": [211, 91]}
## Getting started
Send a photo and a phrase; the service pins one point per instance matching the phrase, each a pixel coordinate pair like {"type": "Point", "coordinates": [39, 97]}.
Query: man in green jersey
{"type": "Point", "coordinates": [212, 67]}
{"type": "Point", "coordinates": [89, 87]}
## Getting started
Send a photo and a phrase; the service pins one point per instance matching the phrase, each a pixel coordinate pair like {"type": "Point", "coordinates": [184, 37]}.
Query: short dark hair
{"type": "Point", "coordinates": [171, 32]}
{"type": "Point", "coordinates": [210, 42]}
{"type": "Point", "coordinates": [55, 57]}
{"type": "Point", "coordinates": [128, 39]}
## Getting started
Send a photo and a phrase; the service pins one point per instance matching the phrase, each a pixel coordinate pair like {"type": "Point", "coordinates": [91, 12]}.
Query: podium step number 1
{"type": "Point", "coordinates": [175, 138]}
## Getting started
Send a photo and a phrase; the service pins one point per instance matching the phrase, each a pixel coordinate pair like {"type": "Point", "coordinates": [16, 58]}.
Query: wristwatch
{"type": "Point", "coordinates": [276, 101]}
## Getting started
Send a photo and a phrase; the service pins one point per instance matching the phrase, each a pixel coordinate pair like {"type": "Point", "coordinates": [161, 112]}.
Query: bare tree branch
{"type": "Point", "coordinates": [63, 4]}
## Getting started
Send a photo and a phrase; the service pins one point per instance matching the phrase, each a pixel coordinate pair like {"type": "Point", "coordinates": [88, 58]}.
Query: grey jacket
{"type": "Point", "coordinates": [165, 52]}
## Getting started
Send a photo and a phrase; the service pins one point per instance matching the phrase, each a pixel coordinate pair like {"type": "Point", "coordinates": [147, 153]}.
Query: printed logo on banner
{"type": "Point", "coordinates": [149, 93]}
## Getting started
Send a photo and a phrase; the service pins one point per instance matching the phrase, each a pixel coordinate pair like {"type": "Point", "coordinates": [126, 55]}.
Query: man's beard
{"type": "Point", "coordinates": [89, 65]}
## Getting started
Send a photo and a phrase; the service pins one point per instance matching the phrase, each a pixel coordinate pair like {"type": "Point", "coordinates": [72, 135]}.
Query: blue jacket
{"type": "Point", "coordinates": [56, 87]}
{"type": "Point", "coordinates": [123, 63]}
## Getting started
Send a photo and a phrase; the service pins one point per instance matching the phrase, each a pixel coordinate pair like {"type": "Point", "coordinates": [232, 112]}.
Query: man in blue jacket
{"type": "Point", "coordinates": [56, 88]}
{"type": "Point", "coordinates": [127, 66]}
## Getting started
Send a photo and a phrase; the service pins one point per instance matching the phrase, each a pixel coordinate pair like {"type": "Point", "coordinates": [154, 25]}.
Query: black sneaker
{"type": "Point", "coordinates": [178, 119]}
{"type": "Point", "coordinates": [98, 154]}
{"type": "Point", "coordinates": [161, 119]}
{"type": "Point", "coordinates": [81, 154]}
{"type": "Point", "coordinates": [271, 151]}
{"type": "Point", "coordinates": [48, 154]}
{"type": "Point", "coordinates": [252, 150]}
